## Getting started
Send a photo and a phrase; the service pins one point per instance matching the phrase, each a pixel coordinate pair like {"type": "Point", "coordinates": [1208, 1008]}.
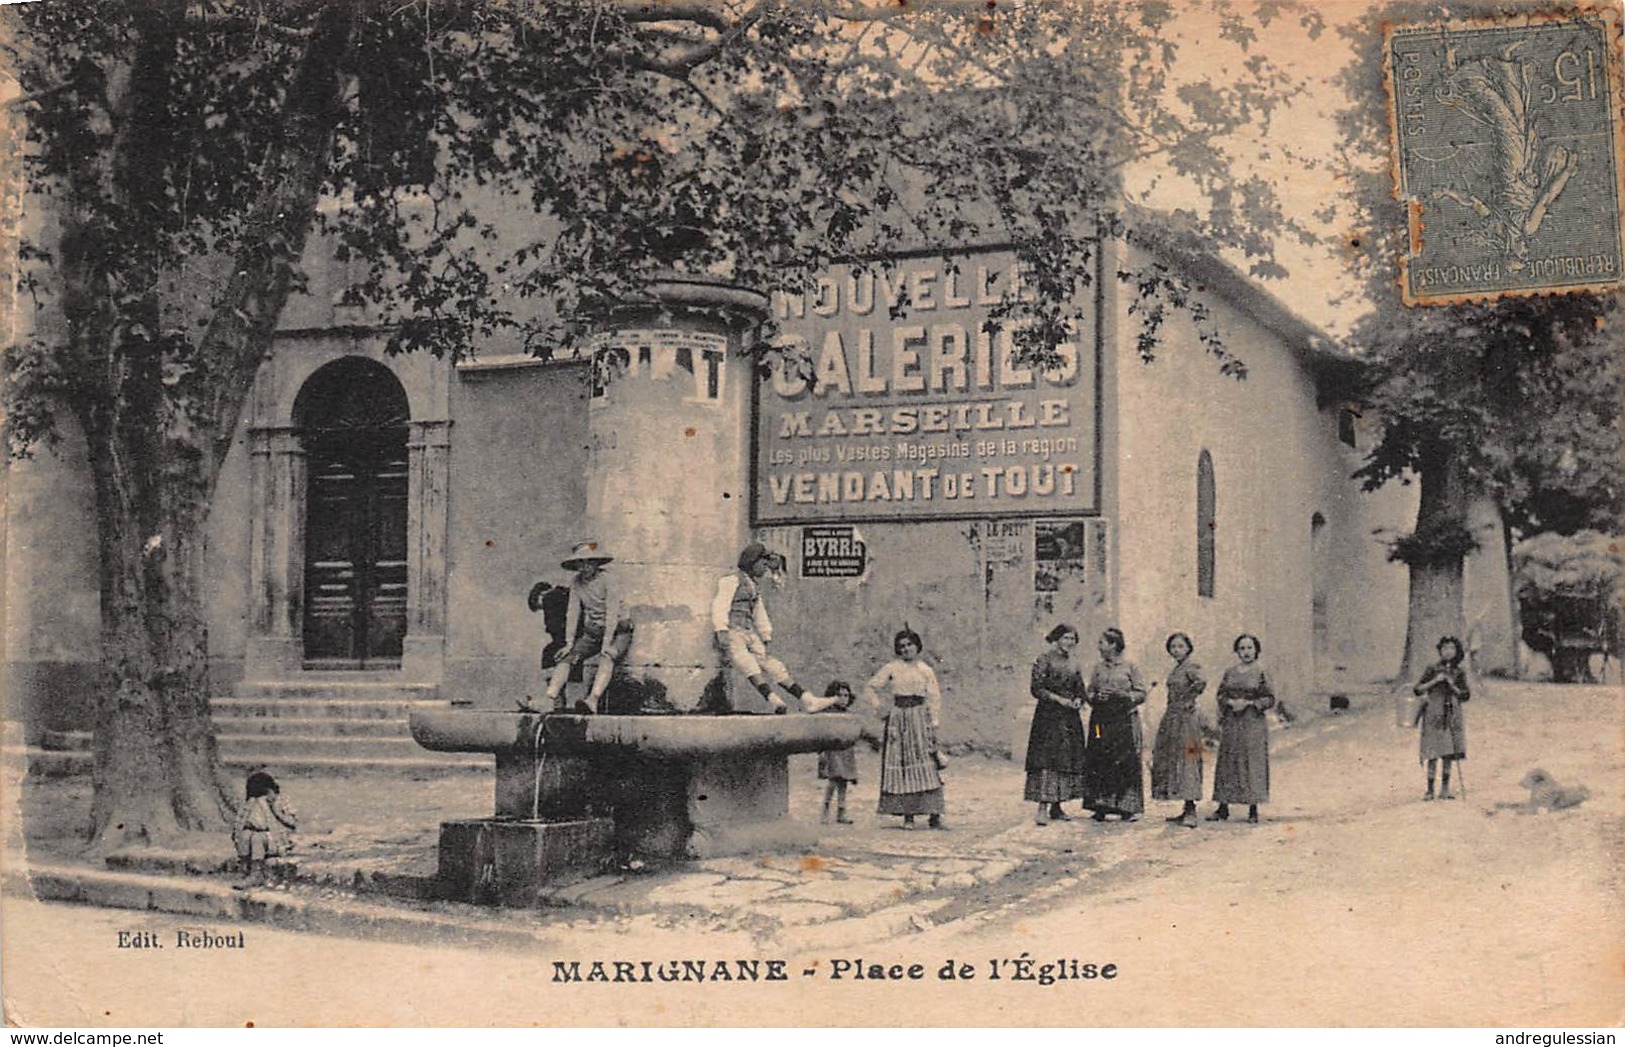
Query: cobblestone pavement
{"type": "Point", "coordinates": [374, 839]}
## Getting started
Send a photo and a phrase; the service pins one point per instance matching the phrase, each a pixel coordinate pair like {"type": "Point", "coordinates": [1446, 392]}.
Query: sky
{"type": "Point", "coordinates": [1320, 287]}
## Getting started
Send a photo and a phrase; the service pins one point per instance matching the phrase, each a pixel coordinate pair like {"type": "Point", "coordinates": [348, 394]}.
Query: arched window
{"type": "Point", "coordinates": [1205, 524]}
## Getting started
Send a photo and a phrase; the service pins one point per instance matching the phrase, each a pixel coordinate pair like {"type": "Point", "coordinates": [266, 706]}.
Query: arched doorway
{"type": "Point", "coordinates": [352, 416]}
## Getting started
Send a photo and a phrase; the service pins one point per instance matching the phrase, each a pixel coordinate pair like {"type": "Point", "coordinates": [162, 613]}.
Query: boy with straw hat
{"type": "Point", "coordinates": [586, 626]}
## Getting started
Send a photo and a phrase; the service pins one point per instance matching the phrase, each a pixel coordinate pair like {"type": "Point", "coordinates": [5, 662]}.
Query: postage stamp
{"type": "Point", "coordinates": [1507, 152]}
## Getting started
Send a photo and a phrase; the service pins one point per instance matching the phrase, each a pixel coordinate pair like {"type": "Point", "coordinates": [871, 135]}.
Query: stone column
{"type": "Point", "coordinates": [668, 466]}
{"type": "Point", "coordinates": [429, 468]}
{"type": "Point", "coordinates": [276, 557]}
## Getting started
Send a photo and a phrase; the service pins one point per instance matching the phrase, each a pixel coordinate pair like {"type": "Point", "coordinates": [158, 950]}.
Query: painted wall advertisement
{"type": "Point", "coordinates": [662, 355]}
{"type": "Point", "coordinates": [916, 411]}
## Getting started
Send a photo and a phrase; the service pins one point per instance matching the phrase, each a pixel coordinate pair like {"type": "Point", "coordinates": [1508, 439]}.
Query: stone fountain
{"type": "Point", "coordinates": [573, 791]}
{"type": "Point", "coordinates": [667, 493]}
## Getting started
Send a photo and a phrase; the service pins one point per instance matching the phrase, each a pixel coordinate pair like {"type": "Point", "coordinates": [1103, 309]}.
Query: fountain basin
{"type": "Point", "coordinates": [574, 791]}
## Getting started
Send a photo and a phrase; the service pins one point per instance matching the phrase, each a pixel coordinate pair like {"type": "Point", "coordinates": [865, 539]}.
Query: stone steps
{"type": "Point", "coordinates": [314, 726]}
{"type": "Point", "coordinates": [319, 722]}
{"type": "Point", "coordinates": [339, 687]}
{"type": "Point", "coordinates": [306, 762]}
{"type": "Point", "coordinates": [65, 741]}
{"type": "Point", "coordinates": [348, 709]}
{"type": "Point", "coordinates": [327, 721]}
{"type": "Point", "coordinates": [49, 763]}
{"type": "Point", "coordinates": [67, 753]}
{"type": "Point", "coordinates": [273, 747]}
{"type": "Point", "coordinates": [313, 758]}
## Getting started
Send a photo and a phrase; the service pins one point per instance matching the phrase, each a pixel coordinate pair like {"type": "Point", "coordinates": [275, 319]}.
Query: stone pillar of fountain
{"type": "Point", "coordinates": [668, 498]}
{"type": "Point", "coordinates": [668, 466]}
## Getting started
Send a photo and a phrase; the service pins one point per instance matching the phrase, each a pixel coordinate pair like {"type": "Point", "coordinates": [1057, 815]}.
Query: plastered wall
{"type": "Point", "coordinates": [518, 493]}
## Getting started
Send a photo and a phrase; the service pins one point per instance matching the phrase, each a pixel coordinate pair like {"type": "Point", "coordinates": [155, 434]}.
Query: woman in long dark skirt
{"type": "Point", "coordinates": [910, 778]}
{"type": "Point", "coordinates": [1112, 779]}
{"type": "Point", "coordinates": [1444, 733]}
{"type": "Point", "coordinates": [1055, 744]}
{"type": "Point", "coordinates": [1176, 756]}
{"type": "Point", "coordinates": [1243, 772]}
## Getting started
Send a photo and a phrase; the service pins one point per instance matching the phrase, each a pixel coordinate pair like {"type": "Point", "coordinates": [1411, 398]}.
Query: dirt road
{"type": "Point", "coordinates": [1353, 904]}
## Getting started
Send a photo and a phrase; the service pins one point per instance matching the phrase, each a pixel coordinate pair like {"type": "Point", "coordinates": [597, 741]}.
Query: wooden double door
{"type": "Point", "coordinates": [355, 548]}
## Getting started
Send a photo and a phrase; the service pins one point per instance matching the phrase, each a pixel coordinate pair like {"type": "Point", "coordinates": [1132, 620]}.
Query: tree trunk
{"type": "Point", "coordinates": [155, 761]}
{"type": "Point", "coordinates": [154, 752]}
{"type": "Point", "coordinates": [156, 448]}
{"type": "Point", "coordinates": [1436, 602]}
{"type": "Point", "coordinates": [154, 771]}
{"type": "Point", "coordinates": [1514, 605]}
{"type": "Point", "coordinates": [1434, 611]}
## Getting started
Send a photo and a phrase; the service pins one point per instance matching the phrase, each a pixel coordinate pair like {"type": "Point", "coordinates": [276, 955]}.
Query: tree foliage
{"type": "Point", "coordinates": [486, 171]}
{"type": "Point", "coordinates": [1525, 391]}
{"type": "Point", "coordinates": [1517, 399]}
{"type": "Point", "coordinates": [1524, 394]}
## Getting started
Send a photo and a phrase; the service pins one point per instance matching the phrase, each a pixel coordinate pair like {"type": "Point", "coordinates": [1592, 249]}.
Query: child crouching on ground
{"type": "Point", "coordinates": [264, 828]}
{"type": "Point", "coordinates": [836, 766]}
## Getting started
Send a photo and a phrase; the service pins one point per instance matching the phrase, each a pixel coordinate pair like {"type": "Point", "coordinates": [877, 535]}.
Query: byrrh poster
{"type": "Point", "coordinates": [531, 516]}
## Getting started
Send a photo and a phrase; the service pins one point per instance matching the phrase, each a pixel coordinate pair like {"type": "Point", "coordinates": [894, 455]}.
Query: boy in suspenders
{"type": "Point", "coordinates": [744, 630]}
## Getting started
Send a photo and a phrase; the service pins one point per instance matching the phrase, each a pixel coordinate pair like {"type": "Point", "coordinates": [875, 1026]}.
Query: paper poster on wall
{"type": "Point", "coordinates": [1098, 542]}
{"type": "Point", "coordinates": [833, 551]}
{"type": "Point", "coordinates": [1004, 541]}
{"type": "Point", "coordinates": [662, 355]}
{"type": "Point", "coordinates": [1059, 553]}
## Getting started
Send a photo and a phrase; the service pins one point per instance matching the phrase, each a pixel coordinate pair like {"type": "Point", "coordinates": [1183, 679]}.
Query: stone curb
{"type": "Point", "coordinates": [286, 909]}
{"type": "Point", "coordinates": [307, 908]}
{"type": "Point", "coordinates": [303, 908]}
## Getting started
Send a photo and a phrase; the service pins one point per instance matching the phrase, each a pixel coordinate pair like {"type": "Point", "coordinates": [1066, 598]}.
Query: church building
{"type": "Point", "coordinates": [381, 520]}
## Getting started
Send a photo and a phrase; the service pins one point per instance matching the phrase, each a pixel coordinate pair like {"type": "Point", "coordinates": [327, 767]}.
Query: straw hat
{"type": "Point", "coordinates": [585, 553]}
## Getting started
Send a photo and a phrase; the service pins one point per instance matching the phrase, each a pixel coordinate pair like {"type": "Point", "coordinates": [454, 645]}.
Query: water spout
{"type": "Point", "coordinates": [541, 759]}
